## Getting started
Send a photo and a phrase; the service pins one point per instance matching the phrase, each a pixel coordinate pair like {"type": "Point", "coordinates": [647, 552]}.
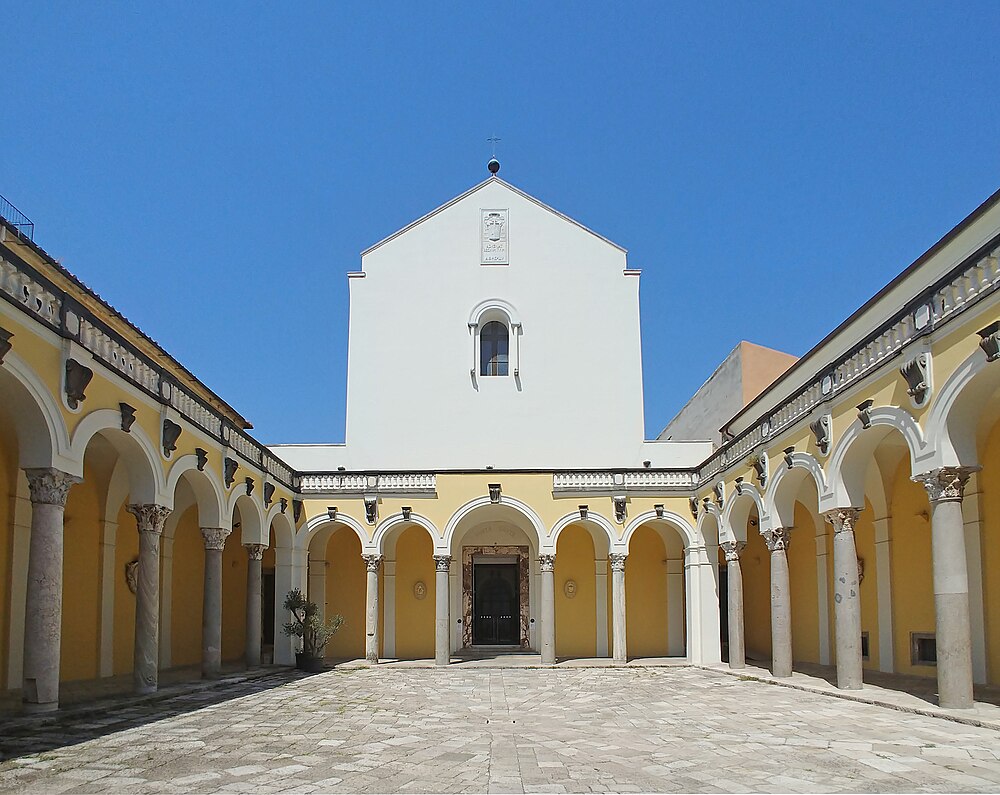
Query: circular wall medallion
{"type": "Point", "coordinates": [419, 589]}
{"type": "Point", "coordinates": [570, 589]}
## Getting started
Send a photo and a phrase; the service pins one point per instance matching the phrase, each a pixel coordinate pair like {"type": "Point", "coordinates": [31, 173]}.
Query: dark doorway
{"type": "Point", "coordinates": [267, 606]}
{"type": "Point", "coordinates": [495, 604]}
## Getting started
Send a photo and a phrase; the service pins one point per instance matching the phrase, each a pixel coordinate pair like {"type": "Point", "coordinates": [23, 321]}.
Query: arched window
{"type": "Point", "coordinates": [493, 344]}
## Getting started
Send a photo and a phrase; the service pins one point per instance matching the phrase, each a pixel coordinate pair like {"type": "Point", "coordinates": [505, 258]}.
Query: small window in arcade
{"type": "Point", "coordinates": [923, 648]}
{"type": "Point", "coordinates": [493, 346]}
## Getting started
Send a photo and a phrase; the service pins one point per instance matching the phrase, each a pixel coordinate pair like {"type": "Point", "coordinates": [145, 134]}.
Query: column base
{"type": "Point", "coordinates": [145, 690]}
{"type": "Point", "coordinates": [33, 708]}
{"type": "Point", "coordinates": [736, 666]}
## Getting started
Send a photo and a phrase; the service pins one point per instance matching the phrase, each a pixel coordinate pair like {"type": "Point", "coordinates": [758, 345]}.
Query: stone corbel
{"type": "Point", "coordinates": [5, 343]}
{"type": "Point", "coordinates": [128, 416]}
{"type": "Point", "coordinates": [621, 510]}
{"type": "Point", "coordinates": [494, 493]}
{"type": "Point", "coordinates": [283, 502]}
{"type": "Point", "coordinates": [719, 489]}
{"type": "Point", "coordinates": [296, 510]}
{"type": "Point", "coordinates": [407, 512]}
{"type": "Point", "coordinates": [202, 458]}
{"type": "Point", "coordinates": [759, 464]}
{"type": "Point", "coordinates": [989, 341]}
{"type": "Point", "coordinates": [171, 432]}
{"type": "Point", "coordinates": [820, 428]}
{"type": "Point", "coordinates": [268, 494]}
{"type": "Point", "coordinates": [229, 470]}
{"type": "Point", "coordinates": [739, 486]}
{"type": "Point", "coordinates": [331, 512]}
{"type": "Point", "coordinates": [659, 510]}
{"type": "Point", "coordinates": [249, 485]}
{"type": "Point", "coordinates": [584, 510]}
{"type": "Point", "coordinates": [864, 413]}
{"type": "Point", "coordinates": [693, 504]}
{"type": "Point", "coordinates": [917, 372]}
{"type": "Point", "coordinates": [78, 377]}
{"type": "Point", "coordinates": [788, 456]}
{"type": "Point", "coordinates": [371, 509]}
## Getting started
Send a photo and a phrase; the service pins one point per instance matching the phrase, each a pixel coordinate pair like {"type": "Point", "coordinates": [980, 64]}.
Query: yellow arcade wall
{"type": "Point", "coordinates": [989, 480]}
{"type": "Point", "coordinates": [346, 584]}
{"type": "Point", "coordinates": [414, 617]}
{"type": "Point", "coordinates": [912, 576]}
{"type": "Point", "coordinates": [864, 540]}
{"type": "Point", "coordinates": [755, 565]}
{"type": "Point", "coordinates": [803, 581]}
{"type": "Point", "coordinates": [234, 598]}
{"type": "Point", "coordinates": [187, 589]}
{"type": "Point", "coordinates": [576, 627]}
{"type": "Point", "coordinates": [8, 495]}
{"type": "Point", "coordinates": [126, 550]}
{"type": "Point", "coordinates": [646, 595]}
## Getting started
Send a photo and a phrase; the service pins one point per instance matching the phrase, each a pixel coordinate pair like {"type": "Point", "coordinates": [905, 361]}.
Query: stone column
{"type": "Point", "coordinates": [547, 563]}
{"type": "Point", "coordinates": [211, 602]}
{"type": "Point", "coordinates": [619, 651]}
{"type": "Point", "coordinates": [442, 614]}
{"type": "Point", "coordinates": [149, 519]}
{"type": "Point", "coordinates": [371, 609]}
{"type": "Point", "coordinates": [737, 645]}
{"type": "Point", "coordinates": [781, 602]}
{"type": "Point", "coordinates": [43, 598]}
{"type": "Point", "coordinates": [846, 598]}
{"type": "Point", "coordinates": [255, 554]}
{"type": "Point", "coordinates": [945, 487]}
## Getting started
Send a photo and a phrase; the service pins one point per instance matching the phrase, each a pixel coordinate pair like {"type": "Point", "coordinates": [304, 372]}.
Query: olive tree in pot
{"type": "Point", "coordinates": [312, 631]}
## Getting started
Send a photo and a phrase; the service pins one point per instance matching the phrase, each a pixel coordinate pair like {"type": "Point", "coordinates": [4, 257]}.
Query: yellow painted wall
{"type": "Point", "coordinates": [8, 491]}
{"type": "Point", "coordinates": [802, 577]}
{"type": "Point", "coordinates": [346, 583]}
{"type": "Point", "coordinates": [646, 595]}
{"type": "Point", "coordinates": [912, 576]}
{"type": "Point", "coordinates": [81, 608]}
{"type": "Point", "coordinates": [989, 480]}
{"type": "Point", "coordinates": [576, 630]}
{"type": "Point", "coordinates": [126, 549]}
{"type": "Point", "coordinates": [755, 564]}
{"type": "Point", "coordinates": [188, 584]}
{"type": "Point", "coordinates": [414, 617]}
{"type": "Point", "coordinates": [864, 540]}
{"type": "Point", "coordinates": [234, 598]}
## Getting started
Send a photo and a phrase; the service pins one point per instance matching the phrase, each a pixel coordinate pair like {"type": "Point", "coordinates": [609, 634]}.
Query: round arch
{"type": "Point", "coordinates": [849, 460]}
{"type": "Point", "coordinates": [42, 436]}
{"type": "Point", "coordinates": [251, 518]}
{"type": "Point", "coordinates": [494, 306]}
{"type": "Point", "coordinates": [599, 527]}
{"type": "Point", "coordinates": [284, 532]}
{"type": "Point", "coordinates": [146, 480]}
{"type": "Point", "coordinates": [206, 487]}
{"type": "Point", "coordinates": [785, 483]}
{"type": "Point", "coordinates": [482, 502]}
{"type": "Point", "coordinates": [736, 513]}
{"type": "Point", "coordinates": [670, 519]}
{"type": "Point", "coordinates": [398, 521]}
{"type": "Point", "coordinates": [311, 528]}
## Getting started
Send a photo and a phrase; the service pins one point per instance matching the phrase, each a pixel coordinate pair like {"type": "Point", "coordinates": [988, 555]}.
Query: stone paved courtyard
{"type": "Point", "coordinates": [499, 730]}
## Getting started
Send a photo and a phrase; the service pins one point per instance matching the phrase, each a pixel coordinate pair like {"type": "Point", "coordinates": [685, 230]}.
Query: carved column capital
{"type": "Point", "coordinates": [732, 549]}
{"type": "Point", "coordinates": [215, 537]}
{"type": "Point", "coordinates": [255, 551]}
{"type": "Point", "coordinates": [372, 562]}
{"type": "Point", "coordinates": [442, 562]}
{"type": "Point", "coordinates": [946, 484]}
{"type": "Point", "coordinates": [49, 486]}
{"type": "Point", "coordinates": [842, 519]}
{"type": "Point", "coordinates": [149, 517]}
{"type": "Point", "coordinates": [617, 561]}
{"type": "Point", "coordinates": [777, 538]}
{"type": "Point", "coordinates": [547, 562]}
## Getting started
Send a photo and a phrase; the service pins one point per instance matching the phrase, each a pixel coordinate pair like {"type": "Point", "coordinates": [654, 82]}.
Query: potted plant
{"type": "Point", "coordinates": [312, 631]}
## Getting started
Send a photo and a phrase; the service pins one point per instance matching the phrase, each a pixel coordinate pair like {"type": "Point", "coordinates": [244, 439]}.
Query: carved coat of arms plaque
{"type": "Point", "coordinates": [493, 234]}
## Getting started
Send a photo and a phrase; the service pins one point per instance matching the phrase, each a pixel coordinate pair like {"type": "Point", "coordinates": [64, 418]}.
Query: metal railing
{"type": "Point", "coordinates": [17, 219]}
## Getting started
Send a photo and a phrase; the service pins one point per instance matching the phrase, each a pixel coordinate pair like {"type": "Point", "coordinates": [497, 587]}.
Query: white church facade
{"type": "Point", "coordinates": [494, 492]}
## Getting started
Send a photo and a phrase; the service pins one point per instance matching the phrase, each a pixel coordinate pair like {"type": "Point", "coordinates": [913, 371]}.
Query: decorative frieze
{"type": "Point", "coordinates": [946, 484]}
{"type": "Point", "coordinates": [359, 483]}
{"type": "Point", "coordinates": [215, 537]}
{"type": "Point", "coordinates": [30, 293]}
{"type": "Point", "coordinates": [78, 377]}
{"type": "Point", "coordinates": [171, 433]}
{"type": "Point", "coordinates": [633, 480]}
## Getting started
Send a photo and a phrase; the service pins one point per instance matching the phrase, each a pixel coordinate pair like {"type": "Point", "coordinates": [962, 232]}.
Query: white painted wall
{"type": "Point", "coordinates": [411, 401]}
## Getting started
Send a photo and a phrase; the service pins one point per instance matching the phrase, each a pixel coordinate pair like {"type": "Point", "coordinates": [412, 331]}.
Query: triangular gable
{"type": "Point", "coordinates": [472, 190]}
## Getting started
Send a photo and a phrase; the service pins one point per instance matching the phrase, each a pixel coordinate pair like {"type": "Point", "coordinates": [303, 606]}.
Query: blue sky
{"type": "Point", "coordinates": [213, 170]}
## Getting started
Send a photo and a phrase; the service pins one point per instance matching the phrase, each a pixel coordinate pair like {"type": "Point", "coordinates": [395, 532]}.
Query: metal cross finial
{"type": "Point", "coordinates": [494, 140]}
